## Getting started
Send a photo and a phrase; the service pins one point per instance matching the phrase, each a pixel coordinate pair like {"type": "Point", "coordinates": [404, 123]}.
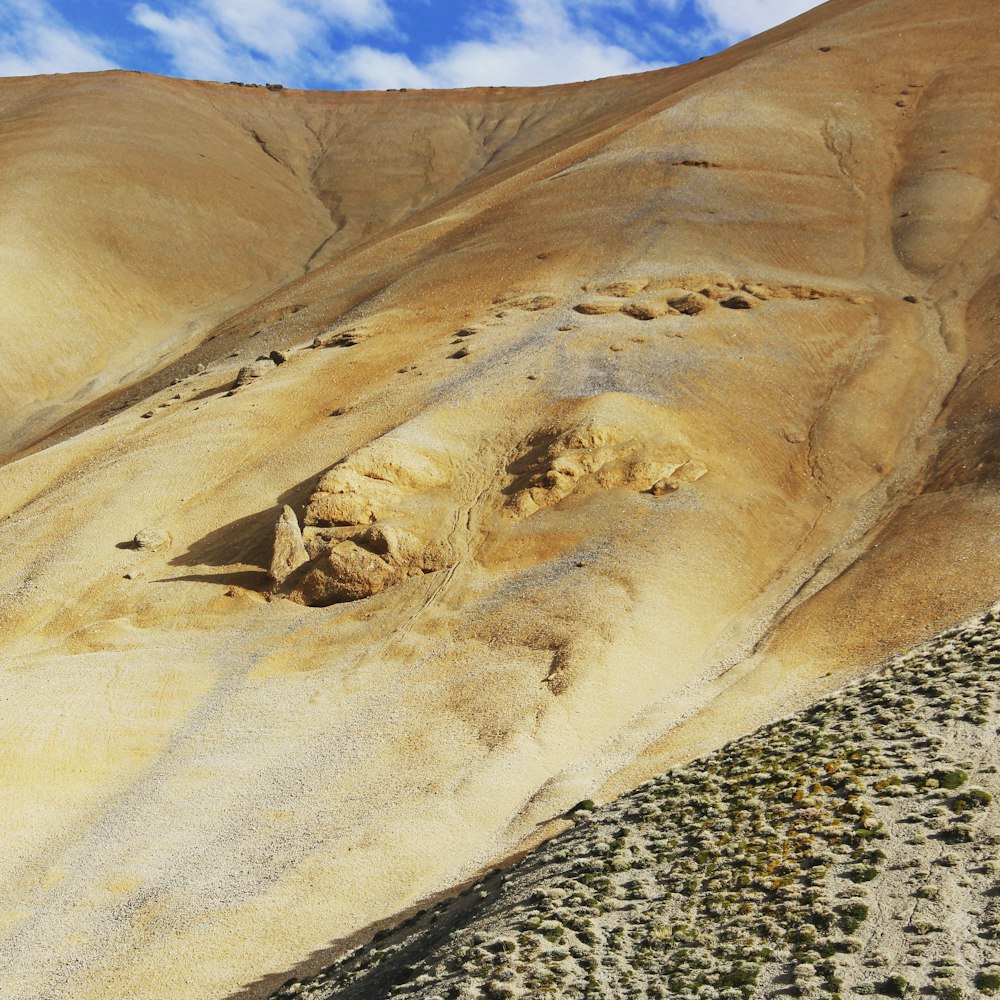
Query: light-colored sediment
{"type": "Point", "coordinates": [208, 774]}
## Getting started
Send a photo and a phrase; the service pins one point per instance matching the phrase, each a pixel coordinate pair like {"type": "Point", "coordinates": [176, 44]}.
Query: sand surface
{"type": "Point", "coordinates": [634, 413]}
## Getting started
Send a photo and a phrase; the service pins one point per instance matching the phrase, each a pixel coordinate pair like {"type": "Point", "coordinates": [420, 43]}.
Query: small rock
{"type": "Point", "coordinates": [642, 311]}
{"type": "Point", "coordinates": [662, 487]}
{"type": "Point", "coordinates": [349, 338]}
{"type": "Point", "coordinates": [278, 357]}
{"type": "Point", "coordinates": [626, 288]}
{"type": "Point", "coordinates": [250, 372]}
{"type": "Point", "coordinates": [536, 303]}
{"type": "Point", "coordinates": [597, 307]}
{"type": "Point", "coordinates": [153, 540]}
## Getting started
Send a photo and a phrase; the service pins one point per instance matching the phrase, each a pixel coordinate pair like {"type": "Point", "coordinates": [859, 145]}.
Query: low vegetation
{"type": "Point", "coordinates": [845, 851]}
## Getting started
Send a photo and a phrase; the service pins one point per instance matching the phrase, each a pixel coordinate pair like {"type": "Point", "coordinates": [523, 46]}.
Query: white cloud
{"type": "Point", "coordinates": [738, 19]}
{"type": "Point", "coordinates": [263, 40]}
{"type": "Point", "coordinates": [520, 42]}
{"type": "Point", "coordinates": [526, 44]}
{"type": "Point", "coordinates": [361, 15]}
{"type": "Point", "coordinates": [35, 39]}
{"type": "Point", "coordinates": [373, 69]}
{"type": "Point", "coordinates": [357, 42]}
{"type": "Point", "coordinates": [267, 26]}
{"type": "Point", "coordinates": [194, 45]}
{"type": "Point", "coordinates": [283, 28]}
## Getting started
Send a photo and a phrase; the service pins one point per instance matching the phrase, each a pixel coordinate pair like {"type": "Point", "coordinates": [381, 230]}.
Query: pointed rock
{"type": "Point", "coordinates": [289, 550]}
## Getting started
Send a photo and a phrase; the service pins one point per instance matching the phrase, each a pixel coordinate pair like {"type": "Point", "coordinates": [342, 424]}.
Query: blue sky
{"type": "Point", "coordinates": [374, 44]}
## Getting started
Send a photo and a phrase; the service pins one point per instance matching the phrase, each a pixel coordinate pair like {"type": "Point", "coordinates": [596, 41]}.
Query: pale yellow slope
{"type": "Point", "coordinates": [131, 217]}
{"type": "Point", "coordinates": [135, 212]}
{"type": "Point", "coordinates": [206, 785]}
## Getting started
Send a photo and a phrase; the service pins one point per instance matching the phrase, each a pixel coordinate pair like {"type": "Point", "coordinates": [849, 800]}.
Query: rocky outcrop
{"type": "Point", "coordinates": [617, 441]}
{"type": "Point", "coordinates": [369, 562]}
{"type": "Point", "coordinates": [374, 520]}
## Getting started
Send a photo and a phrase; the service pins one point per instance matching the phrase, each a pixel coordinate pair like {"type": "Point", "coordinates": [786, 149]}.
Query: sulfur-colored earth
{"type": "Point", "coordinates": [614, 419]}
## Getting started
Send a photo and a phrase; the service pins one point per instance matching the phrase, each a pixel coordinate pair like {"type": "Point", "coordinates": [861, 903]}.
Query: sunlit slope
{"type": "Point", "coordinates": [137, 211]}
{"type": "Point", "coordinates": [592, 463]}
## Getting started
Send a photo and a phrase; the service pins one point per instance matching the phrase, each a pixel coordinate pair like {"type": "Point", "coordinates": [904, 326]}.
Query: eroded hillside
{"type": "Point", "coordinates": [180, 202]}
{"type": "Point", "coordinates": [604, 424]}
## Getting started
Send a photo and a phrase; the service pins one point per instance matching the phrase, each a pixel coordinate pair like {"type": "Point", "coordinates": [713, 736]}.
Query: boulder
{"type": "Point", "coordinates": [250, 372]}
{"type": "Point", "coordinates": [379, 557]}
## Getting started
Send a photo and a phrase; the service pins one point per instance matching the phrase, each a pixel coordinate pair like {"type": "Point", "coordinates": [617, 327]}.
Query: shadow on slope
{"type": "Point", "coordinates": [246, 541]}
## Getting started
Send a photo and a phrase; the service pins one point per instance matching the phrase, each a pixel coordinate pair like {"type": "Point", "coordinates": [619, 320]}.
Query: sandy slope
{"type": "Point", "coordinates": [179, 202]}
{"type": "Point", "coordinates": [696, 454]}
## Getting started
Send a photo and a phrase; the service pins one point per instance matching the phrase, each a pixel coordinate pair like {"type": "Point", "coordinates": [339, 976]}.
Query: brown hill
{"type": "Point", "coordinates": [613, 420]}
{"type": "Point", "coordinates": [179, 202]}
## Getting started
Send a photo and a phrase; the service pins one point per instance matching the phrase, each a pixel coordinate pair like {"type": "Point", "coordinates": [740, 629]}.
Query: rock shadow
{"type": "Point", "coordinates": [252, 579]}
{"type": "Point", "coordinates": [526, 465]}
{"type": "Point", "coordinates": [416, 932]}
{"type": "Point", "coordinates": [247, 540]}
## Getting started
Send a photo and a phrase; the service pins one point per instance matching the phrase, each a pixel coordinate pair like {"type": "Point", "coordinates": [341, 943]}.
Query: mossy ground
{"type": "Point", "coordinates": [846, 850]}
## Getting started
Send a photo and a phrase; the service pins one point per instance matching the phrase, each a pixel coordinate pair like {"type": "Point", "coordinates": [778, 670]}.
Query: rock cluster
{"type": "Point", "coordinates": [618, 440]}
{"type": "Point", "coordinates": [369, 525]}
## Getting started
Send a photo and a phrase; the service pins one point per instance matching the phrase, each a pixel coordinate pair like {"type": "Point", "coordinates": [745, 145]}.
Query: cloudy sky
{"type": "Point", "coordinates": [372, 44]}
